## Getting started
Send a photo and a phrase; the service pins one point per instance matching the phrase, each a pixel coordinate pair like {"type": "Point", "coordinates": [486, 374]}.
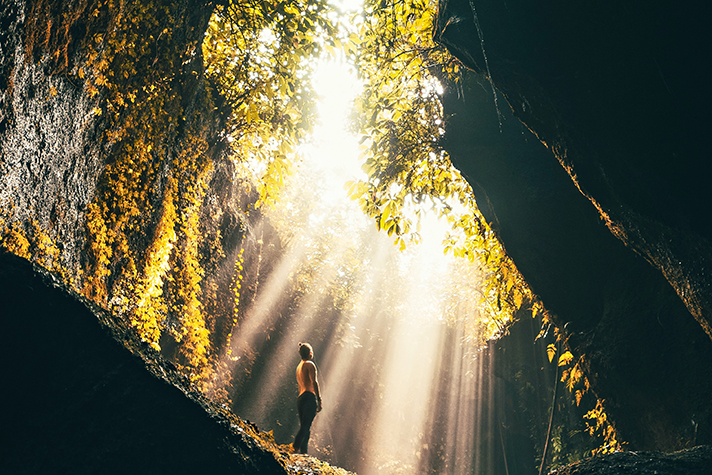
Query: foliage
{"type": "Point", "coordinates": [136, 60]}
{"type": "Point", "coordinates": [400, 117]}
{"type": "Point", "coordinates": [150, 309]}
{"type": "Point", "coordinates": [597, 423]}
{"type": "Point", "coordinates": [257, 56]}
{"type": "Point", "coordinates": [401, 120]}
{"type": "Point", "coordinates": [191, 331]}
{"type": "Point", "coordinates": [260, 55]}
{"type": "Point", "coordinates": [236, 288]}
{"type": "Point", "coordinates": [33, 244]}
{"type": "Point", "coordinates": [14, 240]}
{"type": "Point", "coordinates": [146, 193]}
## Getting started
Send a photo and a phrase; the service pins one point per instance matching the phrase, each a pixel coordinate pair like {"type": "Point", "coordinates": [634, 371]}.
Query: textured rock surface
{"type": "Point", "coordinates": [696, 461]}
{"type": "Point", "coordinates": [75, 400]}
{"type": "Point", "coordinates": [616, 93]}
{"type": "Point", "coordinates": [57, 146]}
{"type": "Point", "coordinates": [49, 142]}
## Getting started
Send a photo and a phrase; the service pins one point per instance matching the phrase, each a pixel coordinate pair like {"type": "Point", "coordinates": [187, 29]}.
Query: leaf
{"type": "Point", "coordinates": [350, 187]}
{"type": "Point", "coordinates": [551, 351]}
{"type": "Point", "coordinates": [518, 299]}
{"type": "Point", "coordinates": [576, 375]}
{"type": "Point", "coordinates": [565, 358]}
{"type": "Point", "coordinates": [386, 212]}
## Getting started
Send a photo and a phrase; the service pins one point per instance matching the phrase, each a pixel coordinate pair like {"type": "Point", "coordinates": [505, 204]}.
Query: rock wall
{"type": "Point", "coordinates": [615, 92]}
{"type": "Point", "coordinates": [113, 171]}
{"type": "Point", "coordinates": [50, 143]}
{"type": "Point", "coordinates": [76, 400]}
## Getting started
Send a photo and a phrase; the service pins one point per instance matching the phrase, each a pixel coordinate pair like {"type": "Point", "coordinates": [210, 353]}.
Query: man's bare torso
{"type": "Point", "coordinates": [306, 376]}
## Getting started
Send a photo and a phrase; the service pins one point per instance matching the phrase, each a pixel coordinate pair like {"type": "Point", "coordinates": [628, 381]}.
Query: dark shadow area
{"type": "Point", "coordinates": [75, 401]}
{"type": "Point", "coordinates": [569, 74]}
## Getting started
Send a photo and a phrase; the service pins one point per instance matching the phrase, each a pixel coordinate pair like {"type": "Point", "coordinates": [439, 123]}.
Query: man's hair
{"type": "Point", "coordinates": [304, 350]}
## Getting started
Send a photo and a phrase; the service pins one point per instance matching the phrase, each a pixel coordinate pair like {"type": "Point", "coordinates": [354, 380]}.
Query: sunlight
{"type": "Point", "coordinates": [348, 5]}
{"type": "Point", "coordinates": [402, 389]}
{"type": "Point", "coordinates": [332, 149]}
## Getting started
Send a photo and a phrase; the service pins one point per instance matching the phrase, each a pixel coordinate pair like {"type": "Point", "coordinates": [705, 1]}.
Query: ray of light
{"type": "Point", "coordinates": [403, 391]}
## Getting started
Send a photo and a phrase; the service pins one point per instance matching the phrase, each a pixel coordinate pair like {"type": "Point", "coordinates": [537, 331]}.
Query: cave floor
{"type": "Point", "coordinates": [695, 461]}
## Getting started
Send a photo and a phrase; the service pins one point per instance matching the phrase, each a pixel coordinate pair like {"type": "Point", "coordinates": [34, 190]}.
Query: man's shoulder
{"type": "Point", "coordinates": [309, 364]}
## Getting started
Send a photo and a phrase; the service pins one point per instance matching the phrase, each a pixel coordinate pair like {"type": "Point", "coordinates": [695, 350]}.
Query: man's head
{"type": "Point", "coordinates": [305, 351]}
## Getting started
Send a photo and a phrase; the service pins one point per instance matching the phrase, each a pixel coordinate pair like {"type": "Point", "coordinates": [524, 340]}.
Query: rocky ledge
{"type": "Point", "coordinates": [79, 398]}
{"type": "Point", "coordinates": [695, 461]}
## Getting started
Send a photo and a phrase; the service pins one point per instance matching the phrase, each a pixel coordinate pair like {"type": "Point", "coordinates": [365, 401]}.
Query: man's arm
{"type": "Point", "coordinates": [316, 390]}
{"type": "Point", "coordinates": [318, 396]}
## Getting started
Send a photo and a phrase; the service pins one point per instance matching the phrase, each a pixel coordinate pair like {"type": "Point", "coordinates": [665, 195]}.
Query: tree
{"type": "Point", "coordinates": [400, 117]}
{"type": "Point", "coordinates": [260, 55]}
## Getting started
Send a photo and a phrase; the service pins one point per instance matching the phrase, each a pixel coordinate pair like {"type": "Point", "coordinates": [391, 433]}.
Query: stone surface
{"type": "Point", "coordinates": [76, 400]}
{"type": "Point", "coordinates": [616, 94]}
{"type": "Point", "coordinates": [695, 461]}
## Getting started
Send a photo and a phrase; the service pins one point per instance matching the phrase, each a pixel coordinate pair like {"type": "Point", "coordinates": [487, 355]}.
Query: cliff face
{"type": "Point", "coordinates": [76, 401]}
{"type": "Point", "coordinates": [112, 164]}
{"type": "Point", "coordinates": [50, 147]}
{"type": "Point", "coordinates": [112, 174]}
{"type": "Point", "coordinates": [617, 95]}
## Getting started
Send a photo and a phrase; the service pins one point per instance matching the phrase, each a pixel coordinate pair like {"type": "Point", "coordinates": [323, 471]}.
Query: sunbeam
{"type": "Point", "coordinates": [403, 388]}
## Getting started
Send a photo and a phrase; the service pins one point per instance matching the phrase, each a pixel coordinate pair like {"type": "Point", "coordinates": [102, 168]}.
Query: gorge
{"type": "Point", "coordinates": [591, 167]}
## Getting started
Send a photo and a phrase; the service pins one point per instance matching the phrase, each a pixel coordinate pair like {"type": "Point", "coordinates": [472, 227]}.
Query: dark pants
{"type": "Point", "coordinates": [306, 406]}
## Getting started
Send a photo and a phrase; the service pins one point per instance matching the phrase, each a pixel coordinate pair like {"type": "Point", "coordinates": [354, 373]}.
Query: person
{"type": "Point", "coordinates": [309, 400]}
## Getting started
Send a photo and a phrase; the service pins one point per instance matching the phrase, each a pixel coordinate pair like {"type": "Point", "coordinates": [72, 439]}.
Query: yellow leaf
{"type": "Point", "coordinates": [551, 351]}
{"type": "Point", "coordinates": [565, 358]}
{"type": "Point", "coordinates": [386, 213]}
{"type": "Point", "coordinates": [518, 299]}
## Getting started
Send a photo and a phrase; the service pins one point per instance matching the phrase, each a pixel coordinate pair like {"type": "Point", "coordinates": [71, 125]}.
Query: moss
{"type": "Point", "coordinates": [142, 227]}
{"type": "Point", "coordinates": [15, 241]}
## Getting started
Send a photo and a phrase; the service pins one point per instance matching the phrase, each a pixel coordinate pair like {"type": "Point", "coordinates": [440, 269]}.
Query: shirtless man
{"type": "Point", "coordinates": [309, 400]}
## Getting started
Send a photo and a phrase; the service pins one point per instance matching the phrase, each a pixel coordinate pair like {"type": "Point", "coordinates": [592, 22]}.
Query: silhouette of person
{"type": "Point", "coordinates": [309, 400]}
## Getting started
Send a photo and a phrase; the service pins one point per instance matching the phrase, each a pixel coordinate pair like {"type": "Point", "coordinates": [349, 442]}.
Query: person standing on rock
{"type": "Point", "coordinates": [309, 400]}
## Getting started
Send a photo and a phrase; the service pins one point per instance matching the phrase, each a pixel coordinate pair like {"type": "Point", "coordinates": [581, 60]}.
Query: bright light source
{"type": "Point", "coordinates": [390, 334]}
{"type": "Point", "coordinates": [333, 149]}
{"type": "Point", "coordinates": [348, 5]}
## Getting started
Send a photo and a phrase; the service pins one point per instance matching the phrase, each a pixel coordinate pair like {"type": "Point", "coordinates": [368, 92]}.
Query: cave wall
{"type": "Point", "coordinates": [76, 400]}
{"type": "Point", "coordinates": [55, 132]}
{"type": "Point", "coordinates": [49, 167]}
{"type": "Point", "coordinates": [607, 222]}
{"type": "Point", "coordinates": [111, 142]}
